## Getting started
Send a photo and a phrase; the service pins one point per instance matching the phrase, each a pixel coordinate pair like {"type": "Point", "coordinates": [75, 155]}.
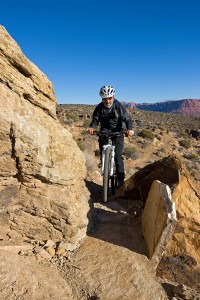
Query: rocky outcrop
{"type": "Point", "coordinates": [185, 193]}
{"type": "Point", "coordinates": [186, 237]}
{"type": "Point", "coordinates": [42, 170]}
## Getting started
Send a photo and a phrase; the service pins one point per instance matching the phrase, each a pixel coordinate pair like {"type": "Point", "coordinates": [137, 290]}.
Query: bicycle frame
{"type": "Point", "coordinates": [108, 163]}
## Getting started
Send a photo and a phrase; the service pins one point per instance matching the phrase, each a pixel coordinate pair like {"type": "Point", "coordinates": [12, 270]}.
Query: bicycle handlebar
{"type": "Point", "coordinates": [108, 133]}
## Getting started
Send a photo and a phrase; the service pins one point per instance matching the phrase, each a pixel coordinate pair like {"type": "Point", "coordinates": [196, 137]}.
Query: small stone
{"type": "Point", "coordinates": [41, 253]}
{"type": "Point", "coordinates": [49, 243]}
{"type": "Point", "coordinates": [60, 251]}
{"type": "Point", "coordinates": [68, 246]}
{"type": "Point", "coordinates": [51, 250]}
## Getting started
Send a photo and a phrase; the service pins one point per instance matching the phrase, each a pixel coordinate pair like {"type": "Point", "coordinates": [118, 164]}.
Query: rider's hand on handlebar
{"type": "Point", "coordinates": [91, 130]}
{"type": "Point", "coordinates": [128, 133]}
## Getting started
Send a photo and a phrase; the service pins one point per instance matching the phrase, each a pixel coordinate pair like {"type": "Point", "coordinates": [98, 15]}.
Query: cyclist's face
{"type": "Point", "coordinates": [108, 102]}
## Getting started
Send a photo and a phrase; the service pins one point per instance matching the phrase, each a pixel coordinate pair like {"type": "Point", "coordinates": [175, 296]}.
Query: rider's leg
{"type": "Point", "coordinates": [119, 145]}
{"type": "Point", "coordinates": [102, 141]}
{"type": "Point", "coordinates": [100, 149]}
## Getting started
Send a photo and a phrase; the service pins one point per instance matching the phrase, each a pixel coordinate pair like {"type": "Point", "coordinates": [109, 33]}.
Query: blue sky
{"type": "Point", "coordinates": [148, 50]}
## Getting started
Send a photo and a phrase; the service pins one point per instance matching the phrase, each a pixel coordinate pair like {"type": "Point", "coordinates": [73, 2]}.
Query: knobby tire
{"type": "Point", "coordinates": [106, 175]}
{"type": "Point", "coordinates": [113, 184]}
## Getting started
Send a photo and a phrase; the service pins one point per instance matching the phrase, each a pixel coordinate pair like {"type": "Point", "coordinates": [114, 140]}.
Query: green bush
{"type": "Point", "coordinates": [147, 134]}
{"type": "Point", "coordinates": [183, 134]}
{"type": "Point", "coordinates": [71, 117]}
{"type": "Point", "coordinates": [80, 144]}
{"type": "Point", "coordinates": [191, 156]}
{"type": "Point", "coordinates": [84, 132]}
{"type": "Point", "coordinates": [185, 143]}
{"type": "Point", "coordinates": [130, 153]}
{"type": "Point", "coordinates": [86, 123]}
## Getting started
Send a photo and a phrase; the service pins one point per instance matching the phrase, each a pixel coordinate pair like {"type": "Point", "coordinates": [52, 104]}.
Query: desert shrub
{"type": "Point", "coordinates": [193, 168]}
{"type": "Point", "coordinates": [188, 165]}
{"type": "Point", "coordinates": [183, 134]}
{"type": "Point", "coordinates": [193, 173]}
{"type": "Point", "coordinates": [196, 165]}
{"type": "Point", "coordinates": [185, 143]}
{"type": "Point", "coordinates": [70, 118]}
{"type": "Point", "coordinates": [190, 168]}
{"type": "Point", "coordinates": [130, 153]}
{"type": "Point", "coordinates": [68, 122]}
{"type": "Point", "coordinates": [83, 132]}
{"type": "Point", "coordinates": [80, 144]}
{"type": "Point", "coordinates": [86, 123]}
{"type": "Point", "coordinates": [191, 156]}
{"type": "Point", "coordinates": [147, 134]}
{"type": "Point", "coordinates": [145, 144]}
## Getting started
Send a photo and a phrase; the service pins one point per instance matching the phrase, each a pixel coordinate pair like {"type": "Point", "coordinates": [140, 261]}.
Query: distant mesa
{"type": "Point", "coordinates": [185, 106]}
{"type": "Point", "coordinates": [130, 105]}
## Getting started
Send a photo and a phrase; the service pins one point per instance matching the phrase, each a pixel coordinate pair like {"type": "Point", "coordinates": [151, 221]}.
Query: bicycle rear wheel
{"type": "Point", "coordinates": [106, 175]}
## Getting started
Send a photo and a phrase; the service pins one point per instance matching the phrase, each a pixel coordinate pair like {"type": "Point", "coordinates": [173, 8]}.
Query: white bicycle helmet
{"type": "Point", "coordinates": [107, 91]}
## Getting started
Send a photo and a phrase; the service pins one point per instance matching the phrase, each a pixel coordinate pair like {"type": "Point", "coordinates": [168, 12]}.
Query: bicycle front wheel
{"type": "Point", "coordinates": [106, 175]}
{"type": "Point", "coordinates": [113, 183]}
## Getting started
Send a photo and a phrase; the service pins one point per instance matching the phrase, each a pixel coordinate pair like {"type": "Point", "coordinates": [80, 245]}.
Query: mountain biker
{"type": "Point", "coordinates": [111, 115]}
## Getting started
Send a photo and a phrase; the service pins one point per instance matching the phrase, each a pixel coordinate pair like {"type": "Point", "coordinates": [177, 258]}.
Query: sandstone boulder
{"type": "Point", "coordinates": [158, 220]}
{"type": "Point", "coordinates": [184, 192]}
{"type": "Point", "coordinates": [42, 170]}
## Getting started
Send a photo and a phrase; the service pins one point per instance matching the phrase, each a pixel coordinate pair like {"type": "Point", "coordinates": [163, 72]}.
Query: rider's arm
{"type": "Point", "coordinates": [95, 119]}
{"type": "Point", "coordinates": [126, 118]}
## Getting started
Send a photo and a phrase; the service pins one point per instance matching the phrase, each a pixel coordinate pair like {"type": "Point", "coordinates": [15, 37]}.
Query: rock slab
{"type": "Point", "coordinates": [158, 220]}
{"type": "Point", "coordinates": [30, 280]}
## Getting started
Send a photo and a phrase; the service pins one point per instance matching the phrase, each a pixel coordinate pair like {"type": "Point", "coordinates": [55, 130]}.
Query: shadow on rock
{"type": "Point", "coordinates": [114, 221]}
{"type": "Point", "coordinates": [116, 228]}
{"type": "Point", "coordinates": [95, 191]}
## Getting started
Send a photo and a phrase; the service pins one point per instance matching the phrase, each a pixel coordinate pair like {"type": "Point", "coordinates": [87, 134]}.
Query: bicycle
{"type": "Point", "coordinates": [108, 169]}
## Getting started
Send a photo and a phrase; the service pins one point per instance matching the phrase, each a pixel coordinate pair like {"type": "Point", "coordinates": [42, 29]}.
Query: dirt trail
{"type": "Point", "coordinates": [112, 262]}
